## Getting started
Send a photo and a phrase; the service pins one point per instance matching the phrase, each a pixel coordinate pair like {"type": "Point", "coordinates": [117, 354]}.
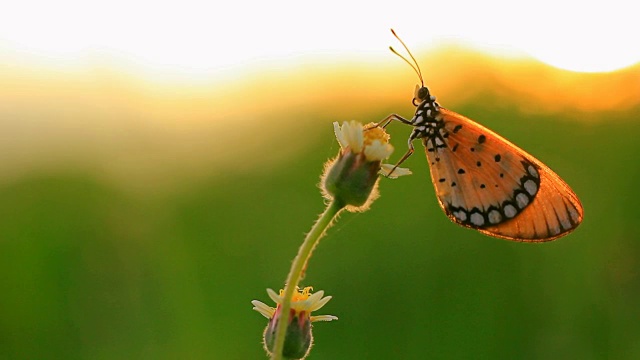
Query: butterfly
{"type": "Point", "coordinates": [483, 181]}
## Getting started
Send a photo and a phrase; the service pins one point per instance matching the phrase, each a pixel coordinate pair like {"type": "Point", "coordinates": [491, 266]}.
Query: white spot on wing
{"type": "Point", "coordinates": [522, 200]}
{"type": "Point", "coordinates": [494, 216]}
{"type": "Point", "coordinates": [510, 211]}
{"type": "Point", "coordinates": [533, 172]}
{"type": "Point", "coordinates": [460, 215]}
{"type": "Point", "coordinates": [477, 219]}
{"type": "Point", "coordinates": [439, 141]}
{"type": "Point", "coordinates": [531, 187]}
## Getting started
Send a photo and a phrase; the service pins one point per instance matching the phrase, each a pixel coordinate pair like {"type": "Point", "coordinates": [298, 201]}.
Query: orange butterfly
{"type": "Point", "coordinates": [483, 181]}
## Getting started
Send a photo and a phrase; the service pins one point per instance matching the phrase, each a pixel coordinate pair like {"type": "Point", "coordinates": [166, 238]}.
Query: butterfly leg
{"type": "Point", "coordinates": [404, 157]}
{"type": "Point", "coordinates": [386, 121]}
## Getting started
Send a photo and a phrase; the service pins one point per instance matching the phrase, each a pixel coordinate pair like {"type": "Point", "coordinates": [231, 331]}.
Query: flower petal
{"type": "Point", "coordinates": [378, 151]}
{"type": "Point", "coordinates": [264, 309]}
{"type": "Point", "coordinates": [385, 169]}
{"type": "Point", "coordinates": [339, 135]}
{"type": "Point", "coordinates": [323, 318]}
{"type": "Point", "coordinates": [320, 303]}
{"type": "Point", "coordinates": [315, 297]}
{"type": "Point", "coordinates": [275, 297]}
{"type": "Point", "coordinates": [353, 135]}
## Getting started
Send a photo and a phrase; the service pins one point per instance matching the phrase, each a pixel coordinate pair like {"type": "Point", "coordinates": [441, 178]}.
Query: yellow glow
{"type": "Point", "coordinates": [201, 38]}
{"type": "Point", "coordinates": [153, 93]}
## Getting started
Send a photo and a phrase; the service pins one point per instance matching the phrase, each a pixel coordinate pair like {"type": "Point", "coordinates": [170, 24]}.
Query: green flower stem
{"type": "Point", "coordinates": [297, 269]}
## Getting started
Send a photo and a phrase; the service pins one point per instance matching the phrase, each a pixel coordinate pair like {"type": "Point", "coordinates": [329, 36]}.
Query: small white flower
{"type": "Point", "coordinates": [303, 302]}
{"type": "Point", "coordinates": [371, 140]}
{"type": "Point", "coordinates": [351, 178]}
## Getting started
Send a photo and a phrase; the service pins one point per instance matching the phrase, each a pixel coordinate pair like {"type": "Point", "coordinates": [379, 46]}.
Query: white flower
{"type": "Point", "coordinates": [373, 139]}
{"type": "Point", "coordinates": [303, 302]}
{"type": "Point", "coordinates": [351, 178]}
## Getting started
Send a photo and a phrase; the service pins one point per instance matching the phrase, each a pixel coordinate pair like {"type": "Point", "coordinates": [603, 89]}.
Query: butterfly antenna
{"type": "Point", "coordinates": [415, 67]}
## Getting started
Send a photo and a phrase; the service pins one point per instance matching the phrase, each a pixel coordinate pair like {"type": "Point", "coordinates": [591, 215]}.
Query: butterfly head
{"type": "Point", "coordinates": [420, 94]}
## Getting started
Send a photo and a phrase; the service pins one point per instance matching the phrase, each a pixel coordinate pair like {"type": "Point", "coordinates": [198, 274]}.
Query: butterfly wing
{"type": "Point", "coordinates": [484, 182]}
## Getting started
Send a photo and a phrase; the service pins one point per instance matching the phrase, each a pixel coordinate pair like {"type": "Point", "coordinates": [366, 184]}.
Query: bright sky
{"type": "Point", "coordinates": [214, 37]}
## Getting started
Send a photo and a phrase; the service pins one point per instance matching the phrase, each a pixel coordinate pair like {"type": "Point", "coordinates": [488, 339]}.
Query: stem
{"type": "Point", "coordinates": [297, 269]}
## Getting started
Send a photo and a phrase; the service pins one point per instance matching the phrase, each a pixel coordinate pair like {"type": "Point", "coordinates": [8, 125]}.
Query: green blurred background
{"type": "Point", "coordinates": [134, 232]}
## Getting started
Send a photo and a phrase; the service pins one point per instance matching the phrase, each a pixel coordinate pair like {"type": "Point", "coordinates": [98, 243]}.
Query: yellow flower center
{"type": "Point", "coordinates": [300, 295]}
{"type": "Point", "coordinates": [373, 132]}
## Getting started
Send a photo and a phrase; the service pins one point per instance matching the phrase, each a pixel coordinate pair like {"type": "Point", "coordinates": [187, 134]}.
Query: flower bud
{"type": "Point", "coordinates": [298, 339]}
{"type": "Point", "coordinates": [352, 177]}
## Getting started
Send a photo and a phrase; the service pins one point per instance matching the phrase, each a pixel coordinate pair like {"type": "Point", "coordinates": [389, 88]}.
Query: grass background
{"type": "Point", "coordinates": [94, 269]}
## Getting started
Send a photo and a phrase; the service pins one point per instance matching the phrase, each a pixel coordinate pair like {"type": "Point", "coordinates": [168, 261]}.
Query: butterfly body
{"type": "Point", "coordinates": [482, 180]}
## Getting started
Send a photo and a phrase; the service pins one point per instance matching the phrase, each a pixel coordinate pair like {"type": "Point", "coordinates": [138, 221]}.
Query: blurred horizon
{"type": "Point", "coordinates": [77, 116]}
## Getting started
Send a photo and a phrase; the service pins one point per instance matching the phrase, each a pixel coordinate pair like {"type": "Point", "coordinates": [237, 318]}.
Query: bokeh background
{"type": "Point", "coordinates": [159, 168]}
